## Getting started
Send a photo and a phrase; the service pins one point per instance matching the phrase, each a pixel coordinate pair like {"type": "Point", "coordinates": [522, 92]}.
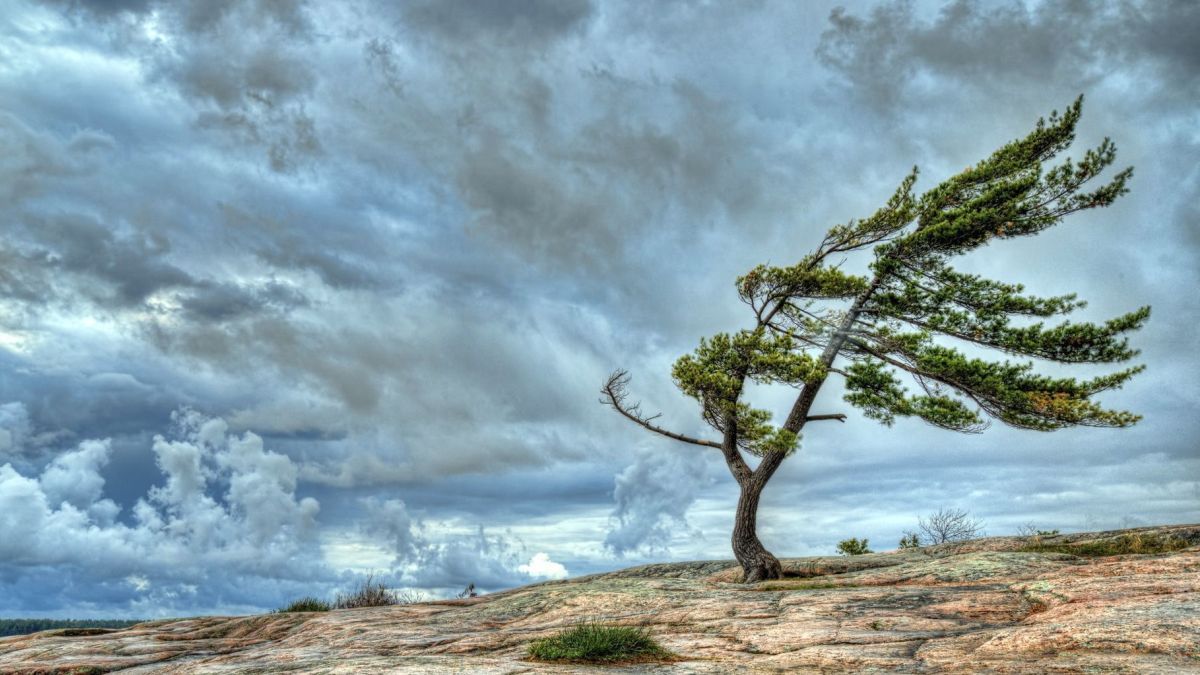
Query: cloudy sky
{"type": "Point", "coordinates": [293, 292]}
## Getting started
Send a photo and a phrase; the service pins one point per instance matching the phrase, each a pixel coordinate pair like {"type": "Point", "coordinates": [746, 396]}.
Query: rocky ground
{"type": "Point", "coordinates": [984, 606]}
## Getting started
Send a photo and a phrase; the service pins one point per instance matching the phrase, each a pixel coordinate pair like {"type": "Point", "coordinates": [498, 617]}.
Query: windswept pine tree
{"type": "Point", "coordinates": [908, 318]}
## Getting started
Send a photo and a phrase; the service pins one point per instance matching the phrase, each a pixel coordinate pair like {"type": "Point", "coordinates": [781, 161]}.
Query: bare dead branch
{"type": "Point", "coordinates": [949, 525]}
{"type": "Point", "coordinates": [615, 393]}
{"type": "Point", "coordinates": [817, 418]}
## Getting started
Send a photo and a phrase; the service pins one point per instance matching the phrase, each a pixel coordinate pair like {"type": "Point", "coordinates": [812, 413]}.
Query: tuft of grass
{"type": "Point", "coordinates": [307, 604]}
{"type": "Point", "coordinates": [591, 642]}
{"type": "Point", "coordinates": [1127, 544]}
{"type": "Point", "coordinates": [368, 594]}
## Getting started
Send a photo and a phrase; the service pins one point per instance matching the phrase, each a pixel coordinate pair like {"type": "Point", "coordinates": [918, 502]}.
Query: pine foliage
{"type": "Point", "coordinates": [910, 318]}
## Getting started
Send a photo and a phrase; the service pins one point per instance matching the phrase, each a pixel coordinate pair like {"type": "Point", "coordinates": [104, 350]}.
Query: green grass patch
{"type": "Point", "coordinates": [309, 604]}
{"type": "Point", "coordinates": [591, 642]}
{"type": "Point", "coordinates": [1127, 544]}
{"type": "Point", "coordinates": [369, 593]}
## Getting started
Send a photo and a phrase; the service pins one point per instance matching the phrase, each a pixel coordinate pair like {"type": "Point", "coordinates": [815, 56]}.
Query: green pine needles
{"type": "Point", "coordinates": [910, 337]}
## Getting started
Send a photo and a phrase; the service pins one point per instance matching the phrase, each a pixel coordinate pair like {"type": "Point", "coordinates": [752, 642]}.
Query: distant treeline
{"type": "Point", "coordinates": [26, 626]}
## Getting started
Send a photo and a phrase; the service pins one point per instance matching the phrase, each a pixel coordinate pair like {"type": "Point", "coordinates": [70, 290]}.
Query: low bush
{"type": "Point", "coordinates": [910, 540]}
{"type": "Point", "coordinates": [592, 642]}
{"type": "Point", "coordinates": [369, 593]}
{"type": "Point", "coordinates": [853, 546]}
{"type": "Point", "coordinates": [409, 597]}
{"type": "Point", "coordinates": [308, 604]}
{"type": "Point", "coordinates": [1031, 530]}
{"type": "Point", "coordinates": [949, 525]}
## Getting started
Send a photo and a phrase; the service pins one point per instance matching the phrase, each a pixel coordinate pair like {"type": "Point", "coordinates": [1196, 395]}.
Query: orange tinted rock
{"type": "Point", "coordinates": [981, 606]}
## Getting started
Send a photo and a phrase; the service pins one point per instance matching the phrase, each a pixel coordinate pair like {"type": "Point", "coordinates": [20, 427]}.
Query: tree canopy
{"type": "Point", "coordinates": [913, 316]}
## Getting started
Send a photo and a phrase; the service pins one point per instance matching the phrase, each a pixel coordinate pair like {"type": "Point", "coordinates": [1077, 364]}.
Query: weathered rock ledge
{"type": "Point", "coordinates": [979, 607]}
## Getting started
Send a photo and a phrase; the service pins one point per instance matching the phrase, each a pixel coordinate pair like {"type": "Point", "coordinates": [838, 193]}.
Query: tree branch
{"type": "Point", "coordinates": [988, 404]}
{"type": "Point", "coordinates": [729, 447]}
{"type": "Point", "coordinates": [615, 395]}
{"type": "Point", "coordinates": [799, 413]}
{"type": "Point", "coordinates": [799, 416]}
{"type": "Point", "coordinates": [835, 416]}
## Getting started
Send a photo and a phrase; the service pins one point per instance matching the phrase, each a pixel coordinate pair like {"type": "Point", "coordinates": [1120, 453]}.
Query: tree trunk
{"type": "Point", "coordinates": [757, 562]}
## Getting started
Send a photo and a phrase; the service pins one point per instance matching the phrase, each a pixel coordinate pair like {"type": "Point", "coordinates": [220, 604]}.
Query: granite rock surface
{"type": "Point", "coordinates": [991, 605]}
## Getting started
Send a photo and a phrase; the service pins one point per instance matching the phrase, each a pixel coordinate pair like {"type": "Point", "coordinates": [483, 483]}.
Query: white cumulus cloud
{"type": "Point", "coordinates": [540, 566]}
{"type": "Point", "coordinates": [225, 529]}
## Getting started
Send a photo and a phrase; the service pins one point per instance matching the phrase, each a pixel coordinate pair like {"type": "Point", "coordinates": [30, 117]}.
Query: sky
{"type": "Point", "coordinates": [296, 292]}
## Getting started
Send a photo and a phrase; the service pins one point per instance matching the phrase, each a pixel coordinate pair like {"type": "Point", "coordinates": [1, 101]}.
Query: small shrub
{"type": "Point", "coordinates": [949, 525]}
{"type": "Point", "coordinates": [368, 594]}
{"type": "Point", "coordinates": [597, 643]}
{"type": "Point", "coordinates": [853, 547]}
{"type": "Point", "coordinates": [409, 597]}
{"type": "Point", "coordinates": [307, 604]}
{"type": "Point", "coordinates": [1029, 530]}
{"type": "Point", "coordinates": [910, 540]}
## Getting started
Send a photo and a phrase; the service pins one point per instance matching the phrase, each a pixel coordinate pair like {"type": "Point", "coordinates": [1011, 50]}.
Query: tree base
{"type": "Point", "coordinates": [766, 568]}
{"type": "Point", "coordinates": [757, 562]}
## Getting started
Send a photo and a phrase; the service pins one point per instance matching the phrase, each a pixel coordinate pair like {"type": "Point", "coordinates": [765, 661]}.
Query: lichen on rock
{"type": "Point", "coordinates": [984, 605]}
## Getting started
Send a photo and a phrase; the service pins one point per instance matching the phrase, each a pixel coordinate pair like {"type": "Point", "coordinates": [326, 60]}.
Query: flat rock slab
{"type": "Point", "coordinates": [984, 606]}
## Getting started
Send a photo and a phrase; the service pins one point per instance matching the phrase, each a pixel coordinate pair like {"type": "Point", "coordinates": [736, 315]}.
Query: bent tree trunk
{"type": "Point", "coordinates": [757, 562]}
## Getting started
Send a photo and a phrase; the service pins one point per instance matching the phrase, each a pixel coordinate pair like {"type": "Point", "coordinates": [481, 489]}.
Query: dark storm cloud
{"type": "Point", "coordinates": [592, 194]}
{"type": "Point", "coordinates": [336, 270]}
{"type": "Point", "coordinates": [30, 157]}
{"type": "Point", "coordinates": [105, 8]}
{"type": "Point", "coordinates": [653, 496]}
{"type": "Point", "coordinates": [245, 66]}
{"type": "Point", "coordinates": [575, 184]}
{"type": "Point", "coordinates": [405, 244]}
{"type": "Point", "coordinates": [21, 276]}
{"type": "Point", "coordinates": [117, 270]}
{"type": "Point", "coordinates": [515, 23]}
{"type": "Point", "coordinates": [981, 45]}
{"type": "Point", "coordinates": [63, 405]}
{"type": "Point", "coordinates": [217, 302]}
